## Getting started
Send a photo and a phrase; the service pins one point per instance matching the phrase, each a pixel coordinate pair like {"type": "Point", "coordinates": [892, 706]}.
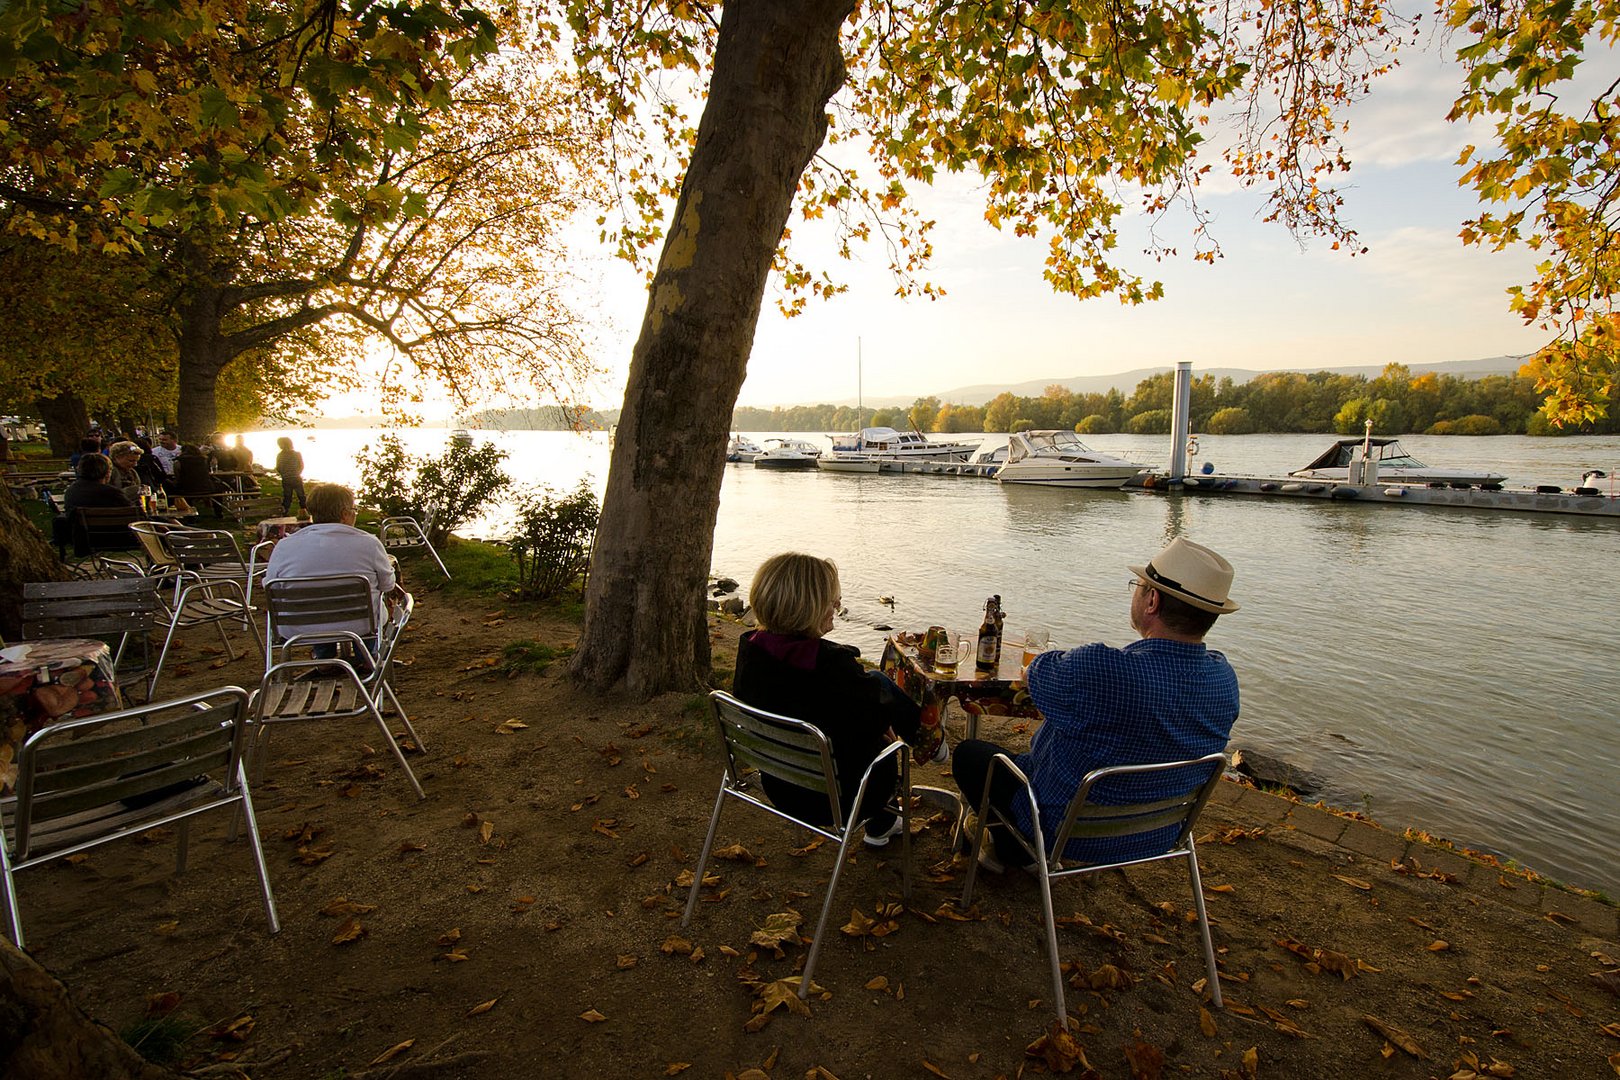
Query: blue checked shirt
{"type": "Point", "coordinates": [1154, 700]}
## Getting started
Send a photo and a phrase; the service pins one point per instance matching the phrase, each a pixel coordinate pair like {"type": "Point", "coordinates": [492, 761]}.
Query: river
{"type": "Point", "coordinates": [1446, 668]}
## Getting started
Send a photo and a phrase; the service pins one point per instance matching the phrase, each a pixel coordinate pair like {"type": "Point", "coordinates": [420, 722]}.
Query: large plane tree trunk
{"type": "Point", "coordinates": [66, 422]}
{"type": "Point", "coordinates": [776, 66]}
{"type": "Point", "coordinates": [202, 355]}
{"type": "Point", "coordinates": [25, 555]}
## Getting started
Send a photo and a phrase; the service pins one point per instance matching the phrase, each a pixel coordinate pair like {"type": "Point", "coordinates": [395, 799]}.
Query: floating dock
{"type": "Point", "coordinates": [1591, 502]}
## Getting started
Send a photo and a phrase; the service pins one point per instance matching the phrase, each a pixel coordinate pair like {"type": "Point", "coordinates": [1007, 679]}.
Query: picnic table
{"type": "Point", "coordinates": [46, 681]}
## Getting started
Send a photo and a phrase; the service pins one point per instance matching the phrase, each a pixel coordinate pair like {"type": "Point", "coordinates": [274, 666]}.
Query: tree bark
{"type": "Point", "coordinates": [203, 354]}
{"type": "Point", "coordinates": [25, 555]}
{"type": "Point", "coordinates": [44, 1036]}
{"type": "Point", "coordinates": [776, 66]}
{"type": "Point", "coordinates": [66, 421]}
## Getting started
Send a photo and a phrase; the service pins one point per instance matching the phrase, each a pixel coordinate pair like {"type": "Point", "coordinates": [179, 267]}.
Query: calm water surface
{"type": "Point", "coordinates": [1451, 669]}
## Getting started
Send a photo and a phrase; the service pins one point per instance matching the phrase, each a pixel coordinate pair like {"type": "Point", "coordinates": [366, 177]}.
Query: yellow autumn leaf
{"type": "Point", "coordinates": [591, 1016]}
{"type": "Point", "coordinates": [482, 1007]}
{"type": "Point", "coordinates": [392, 1052]}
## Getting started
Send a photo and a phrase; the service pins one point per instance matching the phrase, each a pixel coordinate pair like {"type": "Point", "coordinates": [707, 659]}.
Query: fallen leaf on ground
{"type": "Point", "coordinates": [1060, 1052]}
{"type": "Point", "coordinates": [591, 1016]}
{"type": "Point", "coordinates": [450, 936]}
{"type": "Point", "coordinates": [236, 1030]}
{"type": "Point", "coordinates": [1206, 1023]}
{"type": "Point", "coordinates": [392, 1052]}
{"type": "Point", "coordinates": [1395, 1035]}
{"type": "Point", "coordinates": [780, 929]}
{"type": "Point", "coordinates": [676, 1067]}
{"type": "Point", "coordinates": [935, 1069]}
{"type": "Point", "coordinates": [482, 1007]}
{"type": "Point", "coordinates": [734, 852]}
{"type": "Point", "coordinates": [350, 930]}
{"type": "Point", "coordinates": [1438, 946]}
{"type": "Point", "coordinates": [1355, 883]}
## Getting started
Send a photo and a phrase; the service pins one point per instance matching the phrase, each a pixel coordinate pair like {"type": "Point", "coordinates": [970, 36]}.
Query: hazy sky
{"type": "Point", "coordinates": [1417, 296]}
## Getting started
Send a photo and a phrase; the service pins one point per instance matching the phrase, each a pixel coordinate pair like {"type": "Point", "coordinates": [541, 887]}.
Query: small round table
{"type": "Point", "coordinates": [42, 682]}
{"type": "Point", "coordinates": [274, 528]}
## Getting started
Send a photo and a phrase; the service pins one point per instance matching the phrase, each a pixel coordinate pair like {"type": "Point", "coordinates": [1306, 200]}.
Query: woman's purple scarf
{"type": "Point", "coordinates": [799, 652]}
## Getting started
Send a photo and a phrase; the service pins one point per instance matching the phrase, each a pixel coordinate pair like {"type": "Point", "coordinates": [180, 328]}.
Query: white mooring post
{"type": "Point", "coordinates": [1180, 412]}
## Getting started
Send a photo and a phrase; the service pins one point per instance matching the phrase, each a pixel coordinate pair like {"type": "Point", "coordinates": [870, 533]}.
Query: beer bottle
{"type": "Point", "coordinates": [989, 646]}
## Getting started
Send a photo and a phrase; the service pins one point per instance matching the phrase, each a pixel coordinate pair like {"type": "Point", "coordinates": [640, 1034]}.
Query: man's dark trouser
{"type": "Point", "coordinates": [970, 762]}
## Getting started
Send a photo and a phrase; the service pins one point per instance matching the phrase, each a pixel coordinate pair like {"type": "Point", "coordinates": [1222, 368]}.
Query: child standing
{"type": "Point", "coordinates": [290, 464]}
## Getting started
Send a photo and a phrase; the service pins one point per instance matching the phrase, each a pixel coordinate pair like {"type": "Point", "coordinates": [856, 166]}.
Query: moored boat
{"type": "Point", "coordinates": [741, 448]}
{"type": "Point", "coordinates": [887, 444]}
{"type": "Point", "coordinates": [850, 463]}
{"type": "Point", "coordinates": [787, 454]}
{"type": "Point", "coordinates": [1394, 464]}
{"type": "Point", "coordinates": [1060, 459]}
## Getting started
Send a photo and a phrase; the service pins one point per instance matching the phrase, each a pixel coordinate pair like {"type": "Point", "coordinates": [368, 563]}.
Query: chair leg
{"type": "Point", "coordinates": [163, 654]}
{"type": "Point", "coordinates": [826, 909]}
{"type": "Point", "coordinates": [246, 808]}
{"type": "Point", "coordinates": [399, 755]}
{"type": "Point", "coordinates": [406, 720]}
{"type": "Point", "coordinates": [905, 826]}
{"type": "Point", "coordinates": [1203, 924]}
{"type": "Point", "coordinates": [8, 896]}
{"type": "Point", "coordinates": [703, 858]}
{"type": "Point", "coordinates": [230, 650]}
{"type": "Point", "coordinates": [1051, 937]}
{"type": "Point", "coordinates": [436, 558]}
{"type": "Point", "coordinates": [182, 836]}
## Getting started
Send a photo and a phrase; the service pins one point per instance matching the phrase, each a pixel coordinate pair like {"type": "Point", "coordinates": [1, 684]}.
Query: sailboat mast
{"type": "Point", "coordinates": [860, 421]}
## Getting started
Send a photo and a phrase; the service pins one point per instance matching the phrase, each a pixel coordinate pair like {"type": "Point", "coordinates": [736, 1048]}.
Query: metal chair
{"type": "Point", "coordinates": [82, 783]}
{"type": "Point", "coordinates": [405, 534]}
{"type": "Point", "coordinates": [104, 528]}
{"type": "Point", "coordinates": [1114, 821]}
{"type": "Point", "coordinates": [96, 609]}
{"type": "Point", "coordinates": [300, 612]}
{"type": "Point", "coordinates": [799, 753]}
{"type": "Point", "coordinates": [214, 554]}
{"type": "Point", "coordinates": [187, 600]}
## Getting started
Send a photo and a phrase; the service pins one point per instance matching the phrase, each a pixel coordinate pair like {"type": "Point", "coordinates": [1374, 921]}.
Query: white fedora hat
{"type": "Point", "coordinates": [1191, 573]}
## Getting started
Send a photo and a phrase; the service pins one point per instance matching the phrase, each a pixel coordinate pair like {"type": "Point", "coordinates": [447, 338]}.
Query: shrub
{"type": "Point", "coordinates": [1021, 425]}
{"type": "Point", "coordinates": [1152, 422]}
{"type": "Point", "coordinates": [552, 543]}
{"type": "Point", "coordinates": [1476, 424]}
{"type": "Point", "coordinates": [1095, 424]}
{"type": "Point", "coordinates": [1231, 421]}
{"type": "Point", "coordinates": [442, 493]}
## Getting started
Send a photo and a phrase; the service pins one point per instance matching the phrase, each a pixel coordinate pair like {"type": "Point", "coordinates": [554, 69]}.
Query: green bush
{"type": "Point", "coordinates": [1467, 425]}
{"type": "Point", "coordinates": [1095, 424]}
{"type": "Point", "coordinates": [552, 543]}
{"type": "Point", "coordinates": [1021, 425]}
{"type": "Point", "coordinates": [1152, 422]}
{"type": "Point", "coordinates": [441, 492]}
{"type": "Point", "coordinates": [1232, 421]}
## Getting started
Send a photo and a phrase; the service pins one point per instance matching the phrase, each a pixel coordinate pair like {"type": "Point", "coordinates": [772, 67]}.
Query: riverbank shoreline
{"type": "Point", "coordinates": [528, 910]}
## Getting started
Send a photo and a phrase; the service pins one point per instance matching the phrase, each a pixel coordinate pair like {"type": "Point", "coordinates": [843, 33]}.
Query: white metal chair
{"type": "Point", "coordinates": [82, 783]}
{"type": "Point", "coordinates": [1087, 819]}
{"type": "Point", "coordinates": [799, 753]}
{"type": "Point", "coordinates": [406, 534]}
{"type": "Point", "coordinates": [322, 689]}
{"type": "Point", "coordinates": [214, 554]}
{"type": "Point", "coordinates": [119, 608]}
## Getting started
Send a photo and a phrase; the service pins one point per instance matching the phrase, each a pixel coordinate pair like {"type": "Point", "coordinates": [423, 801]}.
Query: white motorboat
{"type": "Point", "coordinates": [1060, 459]}
{"type": "Point", "coordinates": [787, 454]}
{"type": "Point", "coordinates": [854, 463]}
{"type": "Point", "coordinates": [741, 448]}
{"type": "Point", "coordinates": [887, 444]}
{"type": "Point", "coordinates": [1395, 465]}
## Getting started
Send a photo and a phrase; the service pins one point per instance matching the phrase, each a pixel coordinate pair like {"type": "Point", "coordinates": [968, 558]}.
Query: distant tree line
{"type": "Point", "coordinates": [1396, 401]}
{"type": "Point", "coordinates": [543, 418]}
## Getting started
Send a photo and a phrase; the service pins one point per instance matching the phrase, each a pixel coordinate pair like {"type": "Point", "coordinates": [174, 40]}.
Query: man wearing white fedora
{"type": "Point", "coordinates": [1164, 697]}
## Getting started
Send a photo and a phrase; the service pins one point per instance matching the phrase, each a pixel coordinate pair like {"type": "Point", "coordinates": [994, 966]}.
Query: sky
{"type": "Point", "coordinates": [1271, 303]}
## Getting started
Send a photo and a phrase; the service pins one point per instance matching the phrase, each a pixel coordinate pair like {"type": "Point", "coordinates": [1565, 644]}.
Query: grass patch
{"type": "Point", "coordinates": [160, 1039]}
{"type": "Point", "coordinates": [530, 657]}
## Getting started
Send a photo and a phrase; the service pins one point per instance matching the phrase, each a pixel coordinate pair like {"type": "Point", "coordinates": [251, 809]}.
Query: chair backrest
{"type": "Point", "coordinates": [401, 533]}
{"type": "Point", "coordinates": [1170, 796]}
{"type": "Point", "coordinates": [107, 528]}
{"type": "Point", "coordinates": [151, 534]}
{"type": "Point", "coordinates": [65, 609]}
{"type": "Point", "coordinates": [779, 746]}
{"type": "Point", "coordinates": [126, 757]}
{"type": "Point", "coordinates": [197, 548]}
{"type": "Point", "coordinates": [309, 605]}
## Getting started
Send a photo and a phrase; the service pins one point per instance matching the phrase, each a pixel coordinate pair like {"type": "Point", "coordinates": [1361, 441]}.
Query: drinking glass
{"type": "Point", "coordinates": [1037, 639]}
{"type": "Point", "coordinates": [945, 658]}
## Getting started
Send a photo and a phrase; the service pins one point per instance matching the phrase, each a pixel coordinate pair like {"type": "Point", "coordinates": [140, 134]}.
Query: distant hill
{"type": "Point", "coordinates": [1126, 381]}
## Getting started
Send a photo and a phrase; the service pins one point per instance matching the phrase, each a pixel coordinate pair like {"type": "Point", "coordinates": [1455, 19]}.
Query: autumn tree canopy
{"type": "Point", "coordinates": [1071, 113]}
{"type": "Point", "coordinates": [301, 182]}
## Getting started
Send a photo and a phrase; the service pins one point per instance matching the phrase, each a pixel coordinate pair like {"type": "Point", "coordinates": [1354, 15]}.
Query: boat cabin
{"type": "Point", "coordinates": [1387, 452]}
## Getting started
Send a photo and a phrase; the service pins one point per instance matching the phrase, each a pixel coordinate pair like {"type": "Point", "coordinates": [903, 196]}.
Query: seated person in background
{"type": "Point", "coordinates": [788, 667]}
{"type": "Point", "coordinates": [332, 545]}
{"type": "Point", "coordinates": [165, 453]}
{"type": "Point", "coordinates": [87, 445]}
{"type": "Point", "coordinates": [1163, 698]}
{"type": "Point", "coordinates": [126, 469]}
{"type": "Point", "coordinates": [89, 490]}
{"type": "Point", "coordinates": [194, 482]}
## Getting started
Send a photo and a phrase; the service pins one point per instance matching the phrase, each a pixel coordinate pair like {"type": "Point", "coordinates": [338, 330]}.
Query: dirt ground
{"type": "Point", "coordinates": [523, 920]}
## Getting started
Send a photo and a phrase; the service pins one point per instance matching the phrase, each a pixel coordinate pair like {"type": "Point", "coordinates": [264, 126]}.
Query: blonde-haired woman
{"type": "Point", "coordinates": [787, 666]}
